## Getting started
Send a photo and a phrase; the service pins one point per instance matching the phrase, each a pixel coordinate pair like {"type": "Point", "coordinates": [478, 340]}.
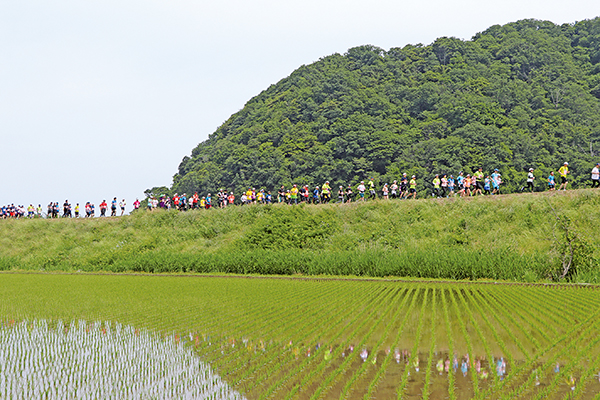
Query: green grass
{"type": "Point", "coordinates": [257, 332]}
{"type": "Point", "coordinates": [511, 237]}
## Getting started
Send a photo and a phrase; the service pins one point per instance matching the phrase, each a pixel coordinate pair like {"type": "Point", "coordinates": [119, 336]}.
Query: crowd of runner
{"type": "Point", "coordinates": [463, 185]}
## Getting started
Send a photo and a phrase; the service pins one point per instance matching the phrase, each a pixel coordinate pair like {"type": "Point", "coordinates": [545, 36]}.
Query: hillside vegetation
{"type": "Point", "coordinates": [521, 95]}
{"type": "Point", "coordinates": [513, 237]}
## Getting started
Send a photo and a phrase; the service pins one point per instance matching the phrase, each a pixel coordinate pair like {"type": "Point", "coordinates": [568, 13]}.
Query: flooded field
{"type": "Point", "coordinates": [354, 339]}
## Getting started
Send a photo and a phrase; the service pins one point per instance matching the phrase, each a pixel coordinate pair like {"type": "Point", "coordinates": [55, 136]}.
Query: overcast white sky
{"type": "Point", "coordinates": [103, 98]}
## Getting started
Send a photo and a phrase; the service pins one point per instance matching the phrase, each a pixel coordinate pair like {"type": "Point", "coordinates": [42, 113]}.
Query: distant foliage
{"type": "Point", "coordinates": [521, 95]}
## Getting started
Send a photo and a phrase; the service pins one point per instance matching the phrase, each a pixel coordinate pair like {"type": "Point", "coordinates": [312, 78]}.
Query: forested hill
{"type": "Point", "coordinates": [526, 94]}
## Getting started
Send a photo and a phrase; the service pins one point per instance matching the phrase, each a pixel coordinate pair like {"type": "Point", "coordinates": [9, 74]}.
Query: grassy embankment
{"type": "Point", "coordinates": [512, 237]}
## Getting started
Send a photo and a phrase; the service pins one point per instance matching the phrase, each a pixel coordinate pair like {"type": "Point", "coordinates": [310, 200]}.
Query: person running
{"type": "Point", "coordinates": [394, 189]}
{"type": "Point", "coordinates": [496, 181]}
{"type": "Point", "coordinates": [486, 185]}
{"type": "Point", "coordinates": [372, 192]}
{"type": "Point", "coordinates": [136, 204]}
{"type": "Point", "coordinates": [467, 185]}
{"type": "Point", "coordinates": [326, 192]}
{"type": "Point", "coordinates": [113, 207]}
{"type": "Point", "coordinates": [268, 198]}
{"type": "Point", "coordinates": [208, 202]}
{"type": "Point", "coordinates": [460, 183]}
{"type": "Point", "coordinates": [404, 186]}
{"type": "Point", "coordinates": [316, 195]}
{"type": "Point", "coordinates": [294, 194]}
{"type": "Point", "coordinates": [349, 194]}
{"type": "Point", "coordinates": [103, 207]}
{"type": "Point", "coordinates": [361, 191]}
{"type": "Point", "coordinates": [122, 205]}
{"type": "Point", "coordinates": [596, 176]}
{"type": "Point", "coordinates": [280, 194]}
{"type": "Point", "coordinates": [413, 187]}
{"type": "Point", "coordinates": [479, 181]}
{"type": "Point", "coordinates": [475, 185]}
{"type": "Point", "coordinates": [77, 210]}
{"type": "Point", "coordinates": [305, 193]}
{"type": "Point", "coordinates": [444, 185]}
{"type": "Point", "coordinates": [341, 195]}
{"type": "Point", "coordinates": [385, 191]}
{"type": "Point", "coordinates": [436, 186]}
{"type": "Point", "coordinates": [551, 181]}
{"type": "Point", "coordinates": [451, 185]}
{"type": "Point", "coordinates": [530, 179]}
{"type": "Point", "coordinates": [563, 172]}
{"type": "Point", "coordinates": [230, 198]}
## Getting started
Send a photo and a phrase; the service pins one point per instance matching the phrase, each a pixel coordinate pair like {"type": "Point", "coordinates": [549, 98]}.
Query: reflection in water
{"type": "Point", "coordinates": [101, 361]}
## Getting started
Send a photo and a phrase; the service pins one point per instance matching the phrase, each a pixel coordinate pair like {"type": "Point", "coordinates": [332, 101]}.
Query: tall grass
{"type": "Point", "coordinates": [502, 238]}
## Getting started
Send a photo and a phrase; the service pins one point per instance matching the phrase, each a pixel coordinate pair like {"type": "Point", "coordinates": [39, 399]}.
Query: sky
{"type": "Point", "coordinates": [103, 98]}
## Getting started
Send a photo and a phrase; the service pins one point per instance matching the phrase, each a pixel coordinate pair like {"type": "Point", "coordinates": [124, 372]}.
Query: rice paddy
{"type": "Point", "coordinates": [271, 338]}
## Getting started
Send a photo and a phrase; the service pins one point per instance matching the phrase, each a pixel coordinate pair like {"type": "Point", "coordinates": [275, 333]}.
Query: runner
{"type": "Point", "coordinates": [103, 207]}
{"type": "Point", "coordinates": [77, 210]}
{"type": "Point", "coordinates": [113, 207]}
{"type": "Point", "coordinates": [136, 204]}
{"type": "Point", "coordinates": [372, 192]}
{"type": "Point", "coordinates": [479, 179]}
{"type": "Point", "coordinates": [316, 198]}
{"type": "Point", "coordinates": [280, 194]}
{"type": "Point", "coordinates": [294, 195]}
{"type": "Point", "coordinates": [551, 181]}
{"type": "Point", "coordinates": [231, 198]}
{"type": "Point", "coordinates": [341, 195]}
{"type": "Point", "coordinates": [475, 185]}
{"type": "Point", "coordinates": [413, 187]}
{"type": "Point", "coordinates": [496, 181]}
{"type": "Point", "coordinates": [122, 205]}
{"type": "Point", "coordinates": [563, 172]}
{"type": "Point", "coordinates": [444, 186]}
{"type": "Point", "coordinates": [486, 185]}
{"type": "Point", "coordinates": [394, 189]}
{"type": "Point", "coordinates": [467, 185]}
{"type": "Point", "coordinates": [436, 186]}
{"type": "Point", "coordinates": [361, 191]}
{"type": "Point", "coordinates": [385, 191]}
{"type": "Point", "coordinates": [596, 176]}
{"type": "Point", "coordinates": [404, 186]}
{"type": "Point", "coordinates": [348, 194]}
{"type": "Point", "coordinates": [326, 192]}
{"type": "Point", "coordinates": [530, 179]}
{"type": "Point", "coordinates": [460, 181]}
{"type": "Point", "coordinates": [451, 184]}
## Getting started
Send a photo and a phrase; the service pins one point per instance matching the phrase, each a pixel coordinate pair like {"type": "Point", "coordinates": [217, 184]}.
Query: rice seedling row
{"type": "Point", "coordinates": [465, 363]}
{"type": "Point", "coordinates": [483, 373]}
{"type": "Point", "coordinates": [382, 370]}
{"type": "Point", "coordinates": [415, 349]}
{"type": "Point", "coordinates": [451, 385]}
